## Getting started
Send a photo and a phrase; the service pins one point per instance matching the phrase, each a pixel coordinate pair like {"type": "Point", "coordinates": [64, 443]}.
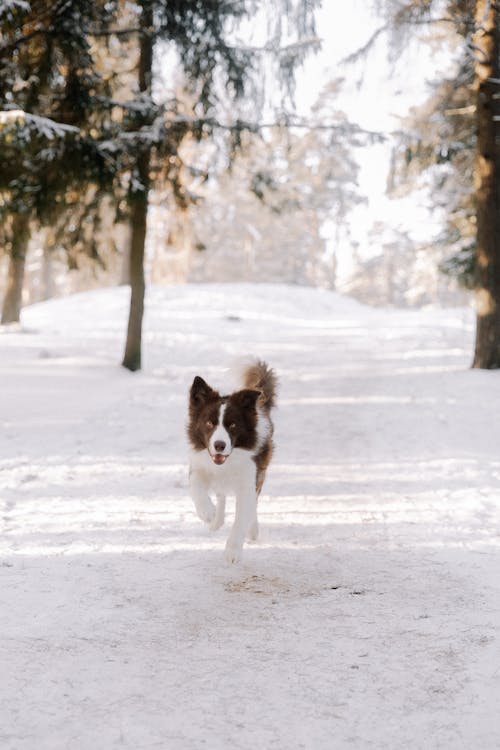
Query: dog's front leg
{"type": "Point", "coordinates": [246, 503]}
{"type": "Point", "coordinates": [199, 492]}
{"type": "Point", "coordinates": [220, 512]}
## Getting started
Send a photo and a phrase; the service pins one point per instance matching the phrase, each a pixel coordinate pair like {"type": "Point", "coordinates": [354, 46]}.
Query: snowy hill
{"type": "Point", "coordinates": [368, 613]}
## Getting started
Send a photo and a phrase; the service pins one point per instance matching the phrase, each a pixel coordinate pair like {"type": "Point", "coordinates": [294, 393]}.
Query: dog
{"type": "Point", "coordinates": [231, 439]}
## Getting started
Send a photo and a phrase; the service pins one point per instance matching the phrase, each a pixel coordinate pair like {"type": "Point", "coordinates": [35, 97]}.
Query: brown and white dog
{"type": "Point", "coordinates": [231, 446]}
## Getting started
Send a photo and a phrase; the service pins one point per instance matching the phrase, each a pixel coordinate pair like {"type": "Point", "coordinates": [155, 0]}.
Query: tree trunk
{"type": "Point", "coordinates": [139, 204]}
{"type": "Point", "coordinates": [132, 357]}
{"type": "Point", "coordinates": [13, 300]}
{"type": "Point", "coordinates": [487, 187]}
{"type": "Point", "coordinates": [47, 271]}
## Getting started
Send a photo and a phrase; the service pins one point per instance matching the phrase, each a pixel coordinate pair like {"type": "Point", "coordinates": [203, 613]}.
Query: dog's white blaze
{"type": "Point", "coordinates": [220, 434]}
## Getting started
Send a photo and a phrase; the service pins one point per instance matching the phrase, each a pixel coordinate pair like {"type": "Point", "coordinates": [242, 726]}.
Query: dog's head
{"type": "Point", "coordinates": [221, 423]}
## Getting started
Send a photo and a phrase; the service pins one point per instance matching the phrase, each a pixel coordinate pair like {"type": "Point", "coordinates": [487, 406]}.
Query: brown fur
{"type": "Point", "coordinates": [240, 418]}
{"type": "Point", "coordinates": [261, 377]}
{"type": "Point", "coordinates": [260, 383]}
{"type": "Point", "coordinates": [262, 459]}
{"type": "Point", "coordinates": [204, 404]}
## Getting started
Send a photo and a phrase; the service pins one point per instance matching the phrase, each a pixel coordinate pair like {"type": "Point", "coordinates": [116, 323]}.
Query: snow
{"type": "Point", "coordinates": [46, 127]}
{"type": "Point", "coordinates": [366, 616]}
{"type": "Point", "coordinates": [9, 8]}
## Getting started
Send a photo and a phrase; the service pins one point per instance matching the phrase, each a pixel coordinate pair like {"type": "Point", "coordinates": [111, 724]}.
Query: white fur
{"type": "Point", "coordinates": [263, 428]}
{"type": "Point", "coordinates": [220, 433]}
{"type": "Point", "coordinates": [236, 476]}
{"type": "Point", "coordinates": [238, 368]}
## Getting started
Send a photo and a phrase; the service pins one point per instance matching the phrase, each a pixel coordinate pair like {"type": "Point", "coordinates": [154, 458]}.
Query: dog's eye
{"type": "Point", "coordinates": [209, 424]}
{"type": "Point", "coordinates": [232, 427]}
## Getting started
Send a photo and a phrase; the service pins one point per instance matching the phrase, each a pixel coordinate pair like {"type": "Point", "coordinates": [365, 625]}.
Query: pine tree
{"type": "Point", "coordinates": [47, 93]}
{"type": "Point", "coordinates": [199, 30]}
{"type": "Point", "coordinates": [435, 148]}
{"type": "Point", "coordinates": [478, 23]}
{"type": "Point", "coordinates": [49, 68]}
{"type": "Point", "coordinates": [487, 184]}
{"type": "Point", "coordinates": [263, 217]}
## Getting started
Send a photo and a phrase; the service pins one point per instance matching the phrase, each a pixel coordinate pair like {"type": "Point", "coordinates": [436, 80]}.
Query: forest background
{"type": "Point", "coordinates": [190, 141]}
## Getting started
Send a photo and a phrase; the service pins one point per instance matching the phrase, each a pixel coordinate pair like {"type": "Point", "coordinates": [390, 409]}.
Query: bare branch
{"type": "Point", "coordinates": [461, 110]}
{"type": "Point", "coordinates": [114, 32]}
{"type": "Point", "coordinates": [362, 51]}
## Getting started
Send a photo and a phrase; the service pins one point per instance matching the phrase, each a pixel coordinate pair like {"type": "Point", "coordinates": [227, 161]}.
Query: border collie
{"type": "Point", "coordinates": [231, 447]}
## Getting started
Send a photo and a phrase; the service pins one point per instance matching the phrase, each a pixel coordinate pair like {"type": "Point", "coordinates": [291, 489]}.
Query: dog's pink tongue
{"type": "Point", "coordinates": [218, 459]}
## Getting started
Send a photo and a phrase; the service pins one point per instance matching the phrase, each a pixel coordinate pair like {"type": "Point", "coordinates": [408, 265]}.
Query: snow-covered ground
{"type": "Point", "coordinates": [367, 615]}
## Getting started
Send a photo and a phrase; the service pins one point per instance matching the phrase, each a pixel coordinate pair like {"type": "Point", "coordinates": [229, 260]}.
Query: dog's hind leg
{"type": "Point", "coordinates": [246, 504]}
{"type": "Point", "coordinates": [220, 512]}
{"type": "Point", "coordinates": [262, 462]}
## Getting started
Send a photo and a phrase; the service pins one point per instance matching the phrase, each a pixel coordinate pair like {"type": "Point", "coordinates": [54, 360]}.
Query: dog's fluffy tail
{"type": "Point", "coordinates": [256, 374]}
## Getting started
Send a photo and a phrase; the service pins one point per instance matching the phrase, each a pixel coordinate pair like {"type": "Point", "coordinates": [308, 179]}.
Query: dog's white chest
{"type": "Point", "coordinates": [236, 474]}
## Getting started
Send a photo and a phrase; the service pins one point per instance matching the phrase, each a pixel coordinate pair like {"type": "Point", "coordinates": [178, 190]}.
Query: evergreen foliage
{"type": "Point", "coordinates": [53, 66]}
{"type": "Point", "coordinates": [48, 86]}
{"type": "Point", "coordinates": [478, 23]}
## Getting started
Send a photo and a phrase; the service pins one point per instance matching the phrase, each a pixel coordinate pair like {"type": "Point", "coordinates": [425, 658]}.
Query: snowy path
{"type": "Point", "coordinates": [368, 614]}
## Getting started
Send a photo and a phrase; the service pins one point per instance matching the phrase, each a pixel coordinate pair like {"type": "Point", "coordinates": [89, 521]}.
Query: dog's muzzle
{"type": "Point", "coordinates": [218, 458]}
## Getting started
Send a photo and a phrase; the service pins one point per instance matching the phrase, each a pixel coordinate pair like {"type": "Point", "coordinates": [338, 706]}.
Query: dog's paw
{"type": "Point", "coordinates": [233, 553]}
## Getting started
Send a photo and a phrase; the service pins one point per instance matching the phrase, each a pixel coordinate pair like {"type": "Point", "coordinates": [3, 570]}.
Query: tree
{"type": "Point", "coordinates": [11, 308]}
{"type": "Point", "coordinates": [487, 184]}
{"type": "Point", "coordinates": [47, 85]}
{"type": "Point", "coordinates": [139, 201]}
{"type": "Point", "coordinates": [48, 67]}
{"type": "Point", "coordinates": [478, 23]}
{"type": "Point", "coordinates": [263, 218]}
{"type": "Point", "coordinates": [434, 151]}
{"type": "Point", "coordinates": [215, 69]}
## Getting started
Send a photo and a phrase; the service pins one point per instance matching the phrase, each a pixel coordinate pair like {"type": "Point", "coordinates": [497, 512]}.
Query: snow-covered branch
{"type": "Point", "coordinates": [46, 127]}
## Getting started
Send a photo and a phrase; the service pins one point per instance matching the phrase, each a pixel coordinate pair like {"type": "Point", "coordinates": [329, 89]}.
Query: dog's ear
{"type": "Point", "coordinates": [246, 398]}
{"type": "Point", "coordinates": [200, 392]}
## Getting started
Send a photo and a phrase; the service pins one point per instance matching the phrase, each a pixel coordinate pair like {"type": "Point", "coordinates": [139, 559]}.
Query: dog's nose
{"type": "Point", "coordinates": [219, 446]}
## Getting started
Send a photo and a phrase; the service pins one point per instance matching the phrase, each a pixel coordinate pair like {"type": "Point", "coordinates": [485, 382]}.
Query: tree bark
{"type": "Point", "coordinates": [47, 270]}
{"type": "Point", "coordinates": [13, 300]}
{"type": "Point", "coordinates": [139, 204]}
{"type": "Point", "coordinates": [133, 346]}
{"type": "Point", "coordinates": [487, 187]}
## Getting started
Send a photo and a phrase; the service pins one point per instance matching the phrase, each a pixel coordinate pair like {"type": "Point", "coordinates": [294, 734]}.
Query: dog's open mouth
{"type": "Point", "coordinates": [218, 458]}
